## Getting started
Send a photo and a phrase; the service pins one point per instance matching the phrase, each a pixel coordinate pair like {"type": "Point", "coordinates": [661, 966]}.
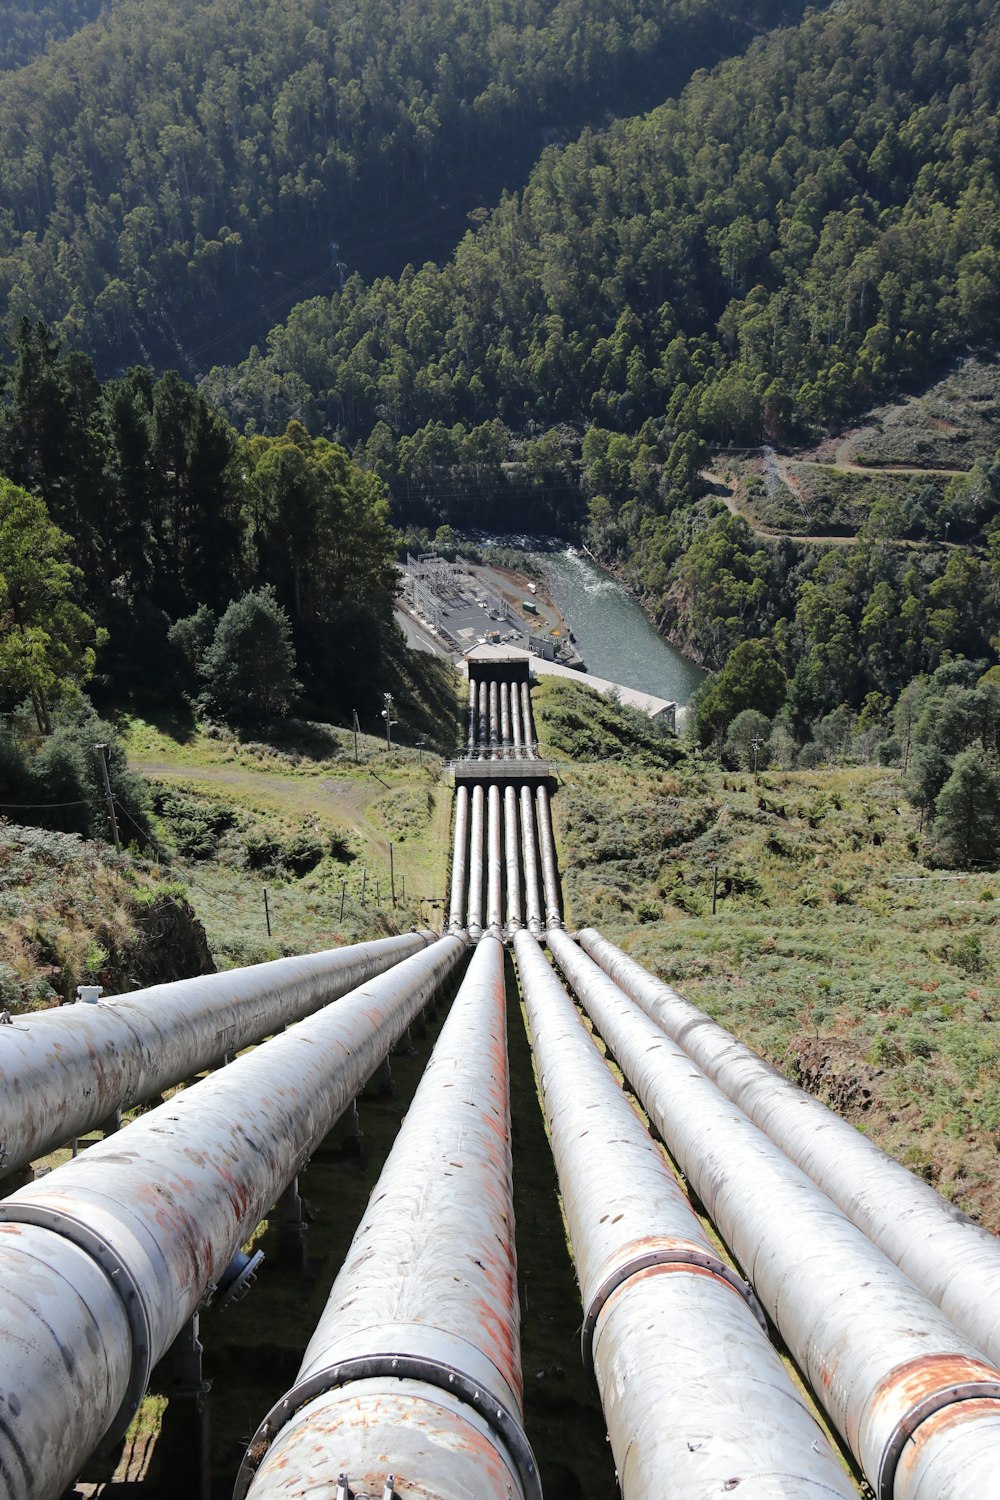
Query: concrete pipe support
{"type": "Point", "coordinates": [131, 1238]}
{"type": "Point", "coordinates": [414, 1369]}
{"type": "Point", "coordinates": [529, 849]}
{"type": "Point", "coordinates": [657, 1298]}
{"type": "Point", "coordinates": [954, 1261]}
{"type": "Point", "coordinates": [547, 849]}
{"type": "Point", "coordinates": [474, 917]}
{"type": "Point", "coordinates": [66, 1071]}
{"type": "Point", "coordinates": [894, 1375]}
{"type": "Point", "coordinates": [459, 858]}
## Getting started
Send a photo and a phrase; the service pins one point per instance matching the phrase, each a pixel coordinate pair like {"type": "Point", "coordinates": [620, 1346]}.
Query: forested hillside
{"type": "Point", "coordinates": [174, 174]}
{"type": "Point", "coordinates": [29, 27]}
{"type": "Point", "coordinates": [802, 228]}
{"type": "Point", "coordinates": [148, 550]}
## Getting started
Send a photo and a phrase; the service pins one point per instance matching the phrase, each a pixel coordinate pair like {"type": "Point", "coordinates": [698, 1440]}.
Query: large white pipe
{"type": "Point", "coordinates": [64, 1072]}
{"type": "Point", "coordinates": [505, 717]}
{"type": "Point", "coordinates": [943, 1252]}
{"type": "Point", "coordinates": [159, 1210]}
{"type": "Point", "coordinates": [420, 1332]}
{"type": "Point", "coordinates": [512, 850]}
{"type": "Point", "coordinates": [494, 883]}
{"type": "Point", "coordinates": [528, 727]}
{"type": "Point", "coordinates": [459, 858]}
{"type": "Point", "coordinates": [494, 721]}
{"type": "Point", "coordinates": [547, 849]}
{"type": "Point", "coordinates": [897, 1379]}
{"type": "Point", "coordinates": [532, 894]}
{"type": "Point", "coordinates": [474, 919]}
{"type": "Point", "coordinates": [671, 1331]}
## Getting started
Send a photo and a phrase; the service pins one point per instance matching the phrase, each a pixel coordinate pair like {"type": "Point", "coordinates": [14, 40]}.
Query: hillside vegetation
{"type": "Point", "coordinates": [834, 950]}
{"type": "Point", "coordinates": [173, 173]}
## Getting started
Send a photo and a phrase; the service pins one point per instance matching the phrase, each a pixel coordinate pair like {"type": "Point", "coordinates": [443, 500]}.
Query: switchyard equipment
{"type": "Point", "coordinates": [911, 1396]}
{"type": "Point", "coordinates": [68, 1071]}
{"type": "Point", "coordinates": [411, 1382]}
{"type": "Point", "coordinates": [104, 1261]}
{"type": "Point", "coordinates": [713, 1408]}
{"type": "Point", "coordinates": [953, 1260]}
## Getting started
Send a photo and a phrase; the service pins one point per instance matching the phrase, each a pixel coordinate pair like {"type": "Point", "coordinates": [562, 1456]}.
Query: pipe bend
{"type": "Point", "coordinates": [497, 1414]}
{"type": "Point", "coordinates": [668, 1255]}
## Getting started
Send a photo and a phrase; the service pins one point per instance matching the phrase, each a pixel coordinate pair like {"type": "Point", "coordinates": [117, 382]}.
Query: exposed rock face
{"type": "Point", "coordinates": [171, 944]}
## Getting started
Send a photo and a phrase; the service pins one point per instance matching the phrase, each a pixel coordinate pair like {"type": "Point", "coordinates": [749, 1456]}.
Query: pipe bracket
{"type": "Point", "coordinates": [124, 1283]}
{"type": "Point", "coordinates": [667, 1255]}
{"type": "Point", "coordinates": [495, 1413]}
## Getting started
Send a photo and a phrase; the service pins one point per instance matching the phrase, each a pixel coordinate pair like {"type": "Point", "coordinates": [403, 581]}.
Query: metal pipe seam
{"type": "Point", "coordinates": [713, 1406]}
{"type": "Point", "coordinates": [497, 1415]}
{"type": "Point", "coordinates": [953, 1260]}
{"type": "Point", "coordinates": [68, 1070]}
{"type": "Point", "coordinates": [129, 1288]}
{"type": "Point", "coordinates": [870, 1344]}
{"type": "Point", "coordinates": [970, 1380]}
{"type": "Point", "coordinates": [49, 1289]}
{"type": "Point", "coordinates": [178, 1193]}
{"type": "Point", "coordinates": [428, 1289]}
{"type": "Point", "coordinates": [671, 1255]}
{"type": "Point", "coordinates": [428, 1430]}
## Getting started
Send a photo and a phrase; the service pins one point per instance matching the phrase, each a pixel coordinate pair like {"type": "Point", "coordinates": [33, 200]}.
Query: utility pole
{"type": "Point", "coordinates": [109, 797]}
{"type": "Point", "coordinates": [267, 913]}
{"type": "Point", "coordinates": [364, 882]}
{"type": "Point", "coordinates": [357, 727]}
{"type": "Point", "coordinates": [392, 874]}
{"type": "Point", "coordinates": [389, 720]}
{"type": "Point", "coordinates": [343, 893]}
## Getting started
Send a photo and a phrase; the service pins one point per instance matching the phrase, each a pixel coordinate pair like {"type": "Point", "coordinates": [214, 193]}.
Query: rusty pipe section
{"type": "Point", "coordinates": [880, 1356]}
{"type": "Point", "coordinates": [657, 1298]}
{"type": "Point", "coordinates": [160, 1209]}
{"type": "Point", "coordinates": [954, 1261]}
{"type": "Point", "coordinates": [547, 849]}
{"type": "Point", "coordinates": [512, 853]}
{"type": "Point", "coordinates": [63, 1072]}
{"type": "Point", "coordinates": [494, 880]}
{"type": "Point", "coordinates": [425, 1307]}
{"type": "Point", "coordinates": [456, 909]}
{"type": "Point", "coordinates": [529, 849]}
{"type": "Point", "coordinates": [474, 915]}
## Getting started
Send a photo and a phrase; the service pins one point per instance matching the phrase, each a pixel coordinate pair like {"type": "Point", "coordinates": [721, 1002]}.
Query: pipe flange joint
{"type": "Point", "coordinates": [124, 1283]}
{"type": "Point", "coordinates": [677, 1255]}
{"type": "Point", "coordinates": [948, 1395]}
{"type": "Point", "coordinates": [495, 1413]}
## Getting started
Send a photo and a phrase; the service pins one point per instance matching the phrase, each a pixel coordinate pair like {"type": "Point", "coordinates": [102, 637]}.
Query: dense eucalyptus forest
{"type": "Point", "coordinates": [669, 255]}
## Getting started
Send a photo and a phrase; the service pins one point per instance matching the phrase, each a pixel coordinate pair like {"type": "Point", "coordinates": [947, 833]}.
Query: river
{"type": "Point", "coordinates": [613, 636]}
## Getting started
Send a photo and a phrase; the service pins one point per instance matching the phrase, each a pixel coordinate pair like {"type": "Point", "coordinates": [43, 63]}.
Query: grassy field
{"type": "Point", "coordinates": [305, 820]}
{"type": "Point", "coordinates": [833, 950]}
